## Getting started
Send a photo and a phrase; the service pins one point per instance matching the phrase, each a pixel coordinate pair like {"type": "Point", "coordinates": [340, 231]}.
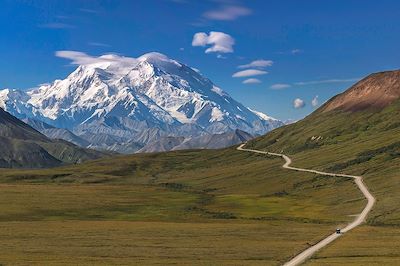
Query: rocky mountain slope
{"type": "Point", "coordinates": [375, 91]}
{"type": "Point", "coordinates": [207, 141]}
{"type": "Point", "coordinates": [122, 99]}
{"type": "Point", "coordinates": [56, 133]}
{"type": "Point", "coordinates": [23, 146]}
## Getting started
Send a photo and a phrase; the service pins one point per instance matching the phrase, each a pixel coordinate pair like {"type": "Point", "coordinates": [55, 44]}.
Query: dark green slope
{"type": "Point", "coordinates": [12, 127]}
{"type": "Point", "coordinates": [18, 153]}
{"type": "Point", "coordinates": [22, 146]}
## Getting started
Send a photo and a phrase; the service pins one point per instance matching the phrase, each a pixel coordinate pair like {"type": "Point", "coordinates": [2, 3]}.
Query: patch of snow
{"type": "Point", "coordinates": [180, 117]}
{"type": "Point", "coordinates": [262, 115]}
{"type": "Point", "coordinates": [216, 115]}
{"type": "Point", "coordinates": [196, 70]}
{"type": "Point", "coordinates": [218, 90]}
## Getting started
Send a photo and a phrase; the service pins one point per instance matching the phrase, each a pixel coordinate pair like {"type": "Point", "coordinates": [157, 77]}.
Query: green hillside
{"type": "Point", "coordinates": [364, 143]}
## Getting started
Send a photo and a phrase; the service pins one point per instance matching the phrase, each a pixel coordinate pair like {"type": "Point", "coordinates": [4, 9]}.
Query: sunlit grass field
{"type": "Point", "coordinates": [153, 243]}
{"type": "Point", "coordinates": [222, 207]}
{"type": "Point", "coordinates": [366, 245]}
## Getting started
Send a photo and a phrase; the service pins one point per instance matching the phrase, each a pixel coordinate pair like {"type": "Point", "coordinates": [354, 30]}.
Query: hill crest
{"type": "Point", "coordinates": [375, 91]}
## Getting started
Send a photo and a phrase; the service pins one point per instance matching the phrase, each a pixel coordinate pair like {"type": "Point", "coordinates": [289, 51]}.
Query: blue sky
{"type": "Point", "coordinates": [316, 47]}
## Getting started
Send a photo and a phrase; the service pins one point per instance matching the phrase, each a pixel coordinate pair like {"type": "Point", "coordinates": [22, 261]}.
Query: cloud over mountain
{"type": "Point", "coordinates": [261, 63]}
{"type": "Point", "coordinates": [80, 58]}
{"type": "Point", "coordinates": [326, 81]}
{"type": "Point", "coordinates": [298, 103]}
{"type": "Point", "coordinates": [315, 101]}
{"type": "Point", "coordinates": [218, 41]}
{"type": "Point", "coordinates": [280, 86]}
{"type": "Point", "coordinates": [228, 12]}
{"type": "Point", "coordinates": [249, 73]}
{"type": "Point", "coordinates": [251, 81]}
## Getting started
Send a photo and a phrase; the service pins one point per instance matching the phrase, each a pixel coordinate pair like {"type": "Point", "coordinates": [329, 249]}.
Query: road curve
{"type": "Point", "coordinates": [359, 219]}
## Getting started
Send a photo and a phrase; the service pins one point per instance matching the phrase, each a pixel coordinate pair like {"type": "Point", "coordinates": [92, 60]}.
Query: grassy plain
{"type": "Point", "coordinates": [222, 207]}
{"type": "Point", "coordinates": [366, 245]}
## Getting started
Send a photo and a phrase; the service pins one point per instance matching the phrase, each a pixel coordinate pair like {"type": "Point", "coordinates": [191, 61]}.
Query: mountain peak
{"type": "Point", "coordinates": [162, 62]}
{"type": "Point", "coordinates": [151, 91]}
{"type": "Point", "coordinates": [376, 91]}
{"type": "Point", "coordinates": [155, 57]}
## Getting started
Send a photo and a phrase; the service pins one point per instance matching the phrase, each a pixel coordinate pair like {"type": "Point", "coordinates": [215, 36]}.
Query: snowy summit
{"type": "Point", "coordinates": [122, 97]}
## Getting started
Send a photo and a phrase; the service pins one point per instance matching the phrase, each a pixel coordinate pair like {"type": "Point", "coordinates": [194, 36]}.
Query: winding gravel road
{"type": "Point", "coordinates": [300, 258]}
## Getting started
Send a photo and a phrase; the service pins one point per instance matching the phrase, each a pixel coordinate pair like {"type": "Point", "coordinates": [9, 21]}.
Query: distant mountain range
{"type": "Point", "coordinates": [208, 141]}
{"type": "Point", "coordinates": [131, 105]}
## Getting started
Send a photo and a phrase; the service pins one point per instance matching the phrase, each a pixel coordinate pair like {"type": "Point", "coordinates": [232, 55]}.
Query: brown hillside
{"type": "Point", "coordinates": [375, 91]}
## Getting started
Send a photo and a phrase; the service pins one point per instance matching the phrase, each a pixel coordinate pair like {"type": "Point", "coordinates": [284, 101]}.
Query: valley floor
{"type": "Point", "coordinates": [365, 245]}
{"type": "Point", "coordinates": [154, 243]}
{"type": "Point", "coordinates": [204, 207]}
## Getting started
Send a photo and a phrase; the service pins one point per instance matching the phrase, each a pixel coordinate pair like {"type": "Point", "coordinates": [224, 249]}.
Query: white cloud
{"type": "Point", "coordinates": [99, 44]}
{"type": "Point", "coordinates": [80, 58]}
{"type": "Point", "coordinates": [62, 17]}
{"type": "Point", "coordinates": [298, 103]}
{"type": "Point", "coordinates": [219, 41]}
{"type": "Point", "coordinates": [315, 101]}
{"type": "Point", "coordinates": [220, 56]}
{"type": "Point", "coordinates": [56, 25]}
{"type": "Point", "coordinates": [313, 82]}
{"type": "Point", "coordinates": [249, 73]}
{"type": "Point", "coordinates": [251, 81]}
{"type": "Point", "coordinates": [200, 39]}
{"type": "Point", "coordinates": [88, 10]}
{"type": "Point", "coordinates": [296, 51]}
{"type": "Point", "coordinates": [181, 49]}
{"type": "Point", "coordinates": [227, 13]}
{"type": "Point", "coordinates": [280, 86]}
{"type": "Point", "coordinates": [261, 63]}
{"type": "Point", "coordinates": [291, 52]}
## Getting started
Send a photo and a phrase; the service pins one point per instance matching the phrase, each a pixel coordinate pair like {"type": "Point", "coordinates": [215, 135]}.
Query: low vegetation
{"type": "Point", "coordinates": [363, 143]}
{"type": "Point", "coordinates": [197, 207]}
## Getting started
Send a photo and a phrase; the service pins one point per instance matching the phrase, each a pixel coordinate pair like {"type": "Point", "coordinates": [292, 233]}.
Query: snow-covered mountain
{"type": "Point", "coordinates": [123, 99]}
